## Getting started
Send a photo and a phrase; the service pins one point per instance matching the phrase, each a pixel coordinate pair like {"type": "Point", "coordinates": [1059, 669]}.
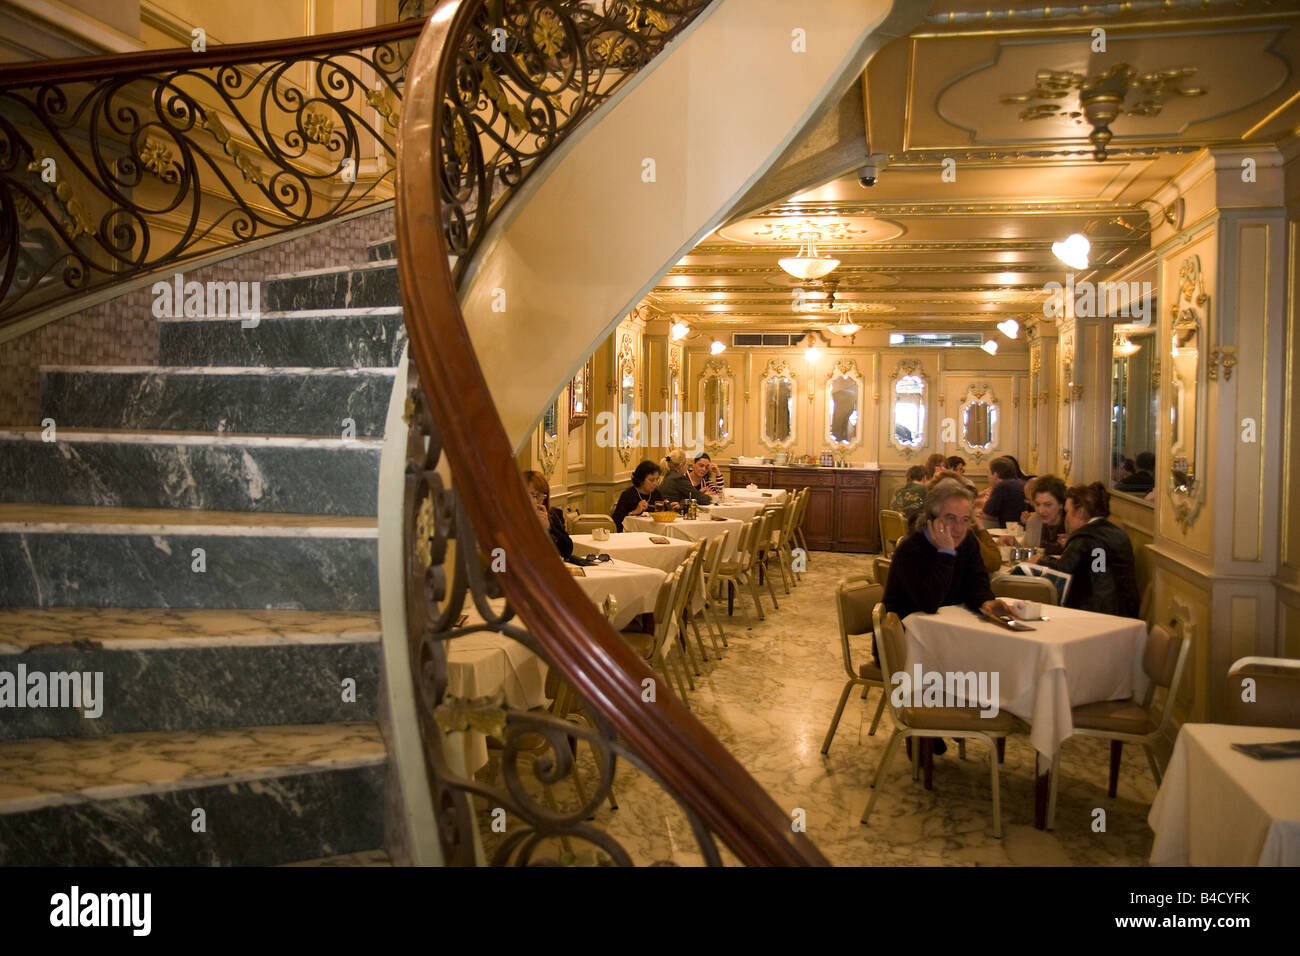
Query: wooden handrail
{"type": "Point", "coordinates": [183, 58]}
{"type": "Point", "coordinates": [603, 669]}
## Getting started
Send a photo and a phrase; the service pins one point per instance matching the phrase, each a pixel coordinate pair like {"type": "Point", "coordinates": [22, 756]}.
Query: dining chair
{"type": "Point", "coordinates": [880, 570]}
{"type": "Point", "coordinates": [786, 546]}
{"type": "Point", "coordinates": [855, 600]}
{"type": "Point", "coordinates": [932, 721]}
{"type": "Point", "coordinates": [740, 571]}
{"type": "Point", "coordinates": [714, 548]}
{"type": "Point", "coordinates": [763, 551]}
{"type": "Point", "coordinates": [1274, 692]}
{"type": "Point", "coordinates": [657, 648]}
{"type": "Point", "coordinates": [801, 512]}
{"type": "Point", "coordinates": [774, 541]}
{"type": "Point", "coordinates": [691, 565]}
{"type": "Point", "coordinates": [1131, 721]}
{"type": "Point", "coordinates": [1024, 588]}
{"type": "Point", "coordinates": [893, 525]}
{"type": "Point", "coordinates": [586, 524]}
{"type": "Point", "coordinates": [567, 705]}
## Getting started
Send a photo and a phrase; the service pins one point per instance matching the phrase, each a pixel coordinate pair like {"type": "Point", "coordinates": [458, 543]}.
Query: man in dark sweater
{"type": "Point", "coordinates": [940, 563]}
{"type": "Point", "coordinates": [1006, 493]}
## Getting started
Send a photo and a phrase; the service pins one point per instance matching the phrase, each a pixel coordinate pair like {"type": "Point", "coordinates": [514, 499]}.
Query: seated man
{"type": "Point", "coordinates": [1006, 498]}
{"type": "Point", "coordinates": [910, 498]}
{"type": "Point", "coordinates": [1144, 479]}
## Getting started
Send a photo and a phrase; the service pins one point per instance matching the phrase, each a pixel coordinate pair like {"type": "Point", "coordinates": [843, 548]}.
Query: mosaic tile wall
{"type": "Point", "coordinates": [123, 331]}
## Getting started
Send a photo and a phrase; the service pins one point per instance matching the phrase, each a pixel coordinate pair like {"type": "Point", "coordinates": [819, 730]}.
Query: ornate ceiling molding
{"type": "Point", "coordinates": [837, 208]}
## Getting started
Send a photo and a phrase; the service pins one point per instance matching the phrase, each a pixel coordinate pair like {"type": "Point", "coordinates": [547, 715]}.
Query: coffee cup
{"type": "Point", "coordinates": [1027, 610]}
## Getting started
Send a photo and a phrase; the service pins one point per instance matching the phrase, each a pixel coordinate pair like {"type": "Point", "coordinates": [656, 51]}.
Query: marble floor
{"type": "Point", "coordinates": [770, 700]}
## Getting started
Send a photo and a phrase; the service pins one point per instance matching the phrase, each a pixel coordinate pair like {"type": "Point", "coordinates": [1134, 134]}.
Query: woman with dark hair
{"type": "Point", "coordinates": [1048, 496]}
{"type": "Point", "coordinates": [643, 496]}
{"type": "Point", "coordinates": [539, 489]}
{"type": "Point", "coordinates": [706, 476]}
{"type": "Point", "coordinates": [935, 464]}
{"type": "Point", "coordinates": [1097, 553]}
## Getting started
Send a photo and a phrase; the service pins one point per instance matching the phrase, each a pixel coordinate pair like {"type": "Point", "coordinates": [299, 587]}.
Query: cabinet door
{"type": "Point", "coordinates": [856, 520]}
{"type": "Point", "coordinates": [742, 476]}
{"type": "Point", "coordinates": [819, 522]}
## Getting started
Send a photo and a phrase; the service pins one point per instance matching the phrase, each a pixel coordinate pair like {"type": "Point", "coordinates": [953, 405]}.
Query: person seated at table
{"type": "Point", "coordinates": [1048, 494]}
{"type": "Point", "coordinates": [642, 497]}
{"type": "Point", "coordinates": [1144, 479]}
{"type": "Point", "coordinates": [1097, 553]}
{"type": "Point", "coordinates": [552, 519]}
{"type": "Point", "coordinates": [682, 485]}
{"type": "Point", "coordinates": [909, 500]}
{"type": "Point", "coordinates": [1122, 468]}
{"type": "Point", "coordinates": [710, 478]}
{"type": "Point", "coordinates": [1006, 493]}
{"type": "Point", "coordinates": [989, 552]}
{"type": "Point", "coordinates": [935, 464]}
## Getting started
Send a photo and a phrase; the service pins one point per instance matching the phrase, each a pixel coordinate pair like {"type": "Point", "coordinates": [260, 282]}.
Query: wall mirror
{"type": "Point", "coordinates": [579, 396]}
{"type": "Point", "coordinates": [844, 398]}
{"type": "Point", "coordinates": [979, 422]}
{"type": "Point", "coordinates": [548, 450]}
{"type": "Point", "coordinates": [1188, 390]}
{"type": "Point", "coordinates": [778, 393]}
{"type": "Point", "coordinates": [628, 437]}
{"type": "Point", "coordinates": [909, 397]}
{"type": "Point", "coordinates": [717, 396]}
{"type": "Point", "coordinates": [1134, 409]}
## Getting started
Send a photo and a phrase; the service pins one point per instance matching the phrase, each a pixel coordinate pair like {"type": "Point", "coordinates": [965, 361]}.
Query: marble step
{"type": "Point", "coordinates": [170, 470]}
{"type": "Point", "coordinates": [325, 338]}
{"type": "Point", "coordinates": [364, 858]}
{"type": "Point", "coordinates": [69, 556]}
{"type": "Point", "coordinates": [269, 795]}
{"type": "Point", "coordinates": [351, 287]}
{"type": "Point", "coordinates": [155, 669]}
{"type": "Point", "coordinates": [250, 401]}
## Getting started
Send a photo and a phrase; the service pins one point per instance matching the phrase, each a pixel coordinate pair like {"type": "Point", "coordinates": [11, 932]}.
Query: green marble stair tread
{"type": "Point", "coordinates": [364, 858]}
{"type": "Point", "coordinates": [35, 433]}
{"type": "Point", "coordinates": [62, 771]}
{"type": "Point", "coordinates": [60, 518]}
{"type": "Point", "coordinates": [131, 629]}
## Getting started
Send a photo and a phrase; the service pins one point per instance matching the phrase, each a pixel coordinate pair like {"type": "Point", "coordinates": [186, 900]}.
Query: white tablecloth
{"type": "Point", "coordinates": [634, 586]}
{"type": "Point", "coordinates": [741, 511]}
{"type": "Point", "coordinates": [692, 530]}
{"type": "Point", "coordinates": [637, 548]}
{"type": "Point", "coordinates": [1076, 657]}
{"type": "Point", "coordinates": [763, 496]}
{"type": "Point", "coordinates": [1219, 807]}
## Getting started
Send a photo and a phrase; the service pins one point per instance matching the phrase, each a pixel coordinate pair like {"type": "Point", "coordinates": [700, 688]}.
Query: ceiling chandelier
{"type": "Point", "coordinates": [1124, 347]}
{"type": "Point", "coordinates": [845, 326]}
{"type": "Point", "coordinates": [807, 264]}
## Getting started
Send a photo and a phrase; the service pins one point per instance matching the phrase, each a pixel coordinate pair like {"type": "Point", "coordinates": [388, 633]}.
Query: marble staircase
{"type": "Point", "coordinates": [200, 536]}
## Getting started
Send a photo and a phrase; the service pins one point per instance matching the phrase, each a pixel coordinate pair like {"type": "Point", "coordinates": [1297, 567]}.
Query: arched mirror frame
{"type": "Point", "coordinates": [778, 369]}
{"type": "Point", "coordinates": [580, 396]}
{"type": "Point", "coordinates": [845, 368]}
{"type": "Point", "coordinates": [1189, 332]}
{"type": "Point", "coordinates": [625, 369]}
{"type": "Point", "coordinates": [548, 439]}
{"type": "Point", "coordinates": [978, 392]}
{"type": "Point", "coordinates": [914, 369]}
{"type": "Point", "coordinates": [721, 370]}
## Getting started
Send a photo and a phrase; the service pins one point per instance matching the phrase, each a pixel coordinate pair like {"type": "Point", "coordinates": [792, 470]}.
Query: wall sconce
{"type": "Point", "coordinates": [1073, 251]}
{"type": "Point", "coordinates": [990, 346]}
{"type": "Point", "coordinates": [1009, 327]}
{"type": "Point", "coordinates": [717, 347]}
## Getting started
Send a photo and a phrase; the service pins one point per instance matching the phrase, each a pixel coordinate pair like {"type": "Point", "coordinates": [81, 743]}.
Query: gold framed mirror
{"type": "Point", "coordinates": [979, 425]}
{"type": "Point", "coordinates": [909, 401]}
{"type": "Point", "coordinates": [845, 394]}
{"type": "Point", "coordinates": [1189, 389]}
{"type": "Point", "coordinates": [778, 390]}
{"type": "Point", "coordinates": [717, 385]}
{"type": "Point", "coordinates": [580, 396]}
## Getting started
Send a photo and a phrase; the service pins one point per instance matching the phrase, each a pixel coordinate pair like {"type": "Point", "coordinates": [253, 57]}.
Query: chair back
{"type": "Point", "coordinates": [855, 600]}
{"type": "Point", "coordinates": [893, 525]}
{"type": "Point", "coordinates": [666, 625]}
{"type": "Point", "coordinates": [1022, 588]}
{"type": "Point", "coordinates": [757, 539]}
{"type": "Point", "coordinates": [776, 533]}
{"type": "Point", "coordinates": [891, 644]}
{"type": "Point", "coordinates": [880, 570]}
{"type": "Point", "coordinates": [1276, 692]}
{"type": "Point", "coordinates": [692, 565]}
{"type": "Point", "coordinates": [801, 506]}
{"type": "Point", "coordinates": [1162, 661]}
{"type": "Point", "coordinates": [586, 524]}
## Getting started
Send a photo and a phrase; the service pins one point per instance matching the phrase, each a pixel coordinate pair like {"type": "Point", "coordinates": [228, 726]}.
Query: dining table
{"type": "Point", "coordinates": [740, 510]}
{"type": "Point", "coordinates": [762, 496]}
{"type": "Point", "coordinates": [1071, 657]}
{"type": "Point", "coordinates": [1218, 806]}
{"type": "Point", "coordinates": [637, 547]}
{"type": "Point", "coordinates": [686, 530]}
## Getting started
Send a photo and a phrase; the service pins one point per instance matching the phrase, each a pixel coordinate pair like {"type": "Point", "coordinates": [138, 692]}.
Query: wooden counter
{"type": "Point", "coordinates": [843, 513]}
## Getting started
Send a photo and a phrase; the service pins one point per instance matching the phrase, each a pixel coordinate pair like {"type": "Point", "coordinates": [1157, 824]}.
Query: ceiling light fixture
{"type": "Point", "coordinates": [1073, 251]}
{"type": "Point", "coordinates": [845, 326]}
{"type": "Point", "coordinates": [717, 347]}
{"type": "Point", "coordinates": [1010, 328]}
{"type": "Point", "coordinates": [680, 329]}
{"type": "Point", "coordinates": [990, 346]}
{"type": "Point", "coordinates": [807, 264]}
{"type": "Point", "coordinates": [812, 340]}
{"type": "Point", "coordinates": [1123, 347]}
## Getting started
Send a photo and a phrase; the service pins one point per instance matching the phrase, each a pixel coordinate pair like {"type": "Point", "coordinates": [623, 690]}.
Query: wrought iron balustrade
{"type": "Point", "coordinates": [494, 87]}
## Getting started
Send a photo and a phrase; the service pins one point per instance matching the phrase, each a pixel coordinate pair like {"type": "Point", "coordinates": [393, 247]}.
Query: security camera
{"type": "Point", "coordinates": [867, 175]}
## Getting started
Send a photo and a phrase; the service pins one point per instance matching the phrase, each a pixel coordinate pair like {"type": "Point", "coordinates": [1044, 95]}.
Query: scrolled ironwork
{"type": "Point", "coordinates": [155, 159]}
{"type": "Point", "coordinates": [459, 156]}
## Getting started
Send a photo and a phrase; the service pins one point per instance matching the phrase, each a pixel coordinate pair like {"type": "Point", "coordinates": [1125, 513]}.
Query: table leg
{"type": "Point", "coordinates": [1042, 786]}
{"type": "Point", "coordinates": [927, 759]}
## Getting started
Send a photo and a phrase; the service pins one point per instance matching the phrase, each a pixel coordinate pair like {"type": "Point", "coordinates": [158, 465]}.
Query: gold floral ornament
{"type": "Point", "coordinates": [610, 49]}
{"type": "Point", "coordinates": [485, 715]}
{"type": "Point", "coordinates": [652, 17]}
{"type": "Point", "coordinates": [79, 220]}
{"type": "Point", "coordinates": [212, 123]}
{"type": "Point", "coordinates": [460, 141]}
{"type": "Point", "coordinates": [318, 127]}
{"type": "Point", "coordinates": [425, 529]}
{"type": "Point", "coordinates": [548, 34]}
{"type": "Point", "coordinates": [518, 119]}
{"type": "Point", "coordinates": [386, 104]}
{"type": "Point", "coordinates": [156, 156]}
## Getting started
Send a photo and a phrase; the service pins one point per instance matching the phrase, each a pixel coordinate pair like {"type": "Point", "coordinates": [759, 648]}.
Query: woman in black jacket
{"type": "Point", "coordinates": [552, 519]}
{"type": "Point", "coordinates": [643, 496]}
{"type": "Point", "coordinates": [1098, 554]}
